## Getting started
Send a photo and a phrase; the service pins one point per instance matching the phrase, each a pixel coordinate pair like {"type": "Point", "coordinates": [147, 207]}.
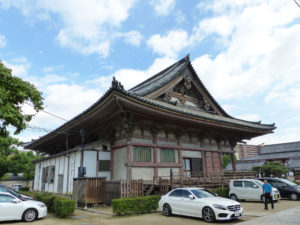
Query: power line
{"type": "Point", "coordinates": [51, 114]}
{"type": "Point", "coordinates": [40, 129]}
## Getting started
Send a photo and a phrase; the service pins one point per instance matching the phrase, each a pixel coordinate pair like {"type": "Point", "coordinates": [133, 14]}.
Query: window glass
{"type": "Point", "coordinates": [6, 198]}
{"type": "Point", "coordinates": [248, 184]}
{"type": "Point", "coordinates": [237, 183]}
{"type": "Point", "coordinates": [185, 193]}
{"type": "Point", "coordinates": [142, 154]}
{"type": "Point", "coordinates": [200, 193]}
{"type": "Point", "coordinates": [176, 193]}
{"type": "Point", "coordinates": [167, 155]}
{"type": "Point", "coordinates": [104, 165]}
{"type": "Point", "coordinates": [288, 182]}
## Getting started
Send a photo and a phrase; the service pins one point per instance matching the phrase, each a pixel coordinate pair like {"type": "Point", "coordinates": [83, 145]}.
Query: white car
{"type": "Point", "coordinates": [249, 189]}
{"type": "Point", "coordinates": [199, 202]}
{"type": "Point", "coordinates": [13, 208]}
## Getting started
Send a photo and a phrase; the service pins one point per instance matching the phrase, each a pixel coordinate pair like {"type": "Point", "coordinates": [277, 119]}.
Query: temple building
{"type": "Point", "coordinates": [169, 121]}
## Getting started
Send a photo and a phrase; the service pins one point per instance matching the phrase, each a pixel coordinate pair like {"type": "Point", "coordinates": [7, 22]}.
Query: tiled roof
{"type": "Point", "coordinates": [272, 156]}
{"type": "Point", "coordinates": [244, 165]}
{"type": "Point", "coordinates": [160, 79]}
{"type": "Point", "coordinates": [284, 147]}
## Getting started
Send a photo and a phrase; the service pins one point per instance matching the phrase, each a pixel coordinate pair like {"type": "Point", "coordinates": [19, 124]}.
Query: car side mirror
{"type": "Point", "coordinates": [255, 186]}
{"type": "Point", "coordinates": [15, 201]}
{"type": "Point", "coordinates": [191, 197]}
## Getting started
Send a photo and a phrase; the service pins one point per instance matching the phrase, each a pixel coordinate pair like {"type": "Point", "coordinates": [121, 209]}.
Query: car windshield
{"type": "Point", "coordinates": [16, 194]}
{"type": "Point", "coordinates": [201, 193]}
{"type": "Point", "coordinates": [288, 182]}
{"type": "Point", "coordinates": [260, 183]}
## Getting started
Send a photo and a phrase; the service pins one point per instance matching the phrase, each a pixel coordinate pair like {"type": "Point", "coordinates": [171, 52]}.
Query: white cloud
{"type": "Point", "coordinates": [85, 25]}
{"type": "Point", "coordinates": [2, 41]}
{"type": "Point", "coordinates": [18, 66]}
{"type": "Point", "coordinates": [260, 50]}
{"type": "Point", "coordinates": [132, 37]}
{"type": "Point", "coordinates": [170, 44]}
{"type": "Point", "coordinates": [163, 7]}
{"type": "Point", "coordinates": [249, 117]}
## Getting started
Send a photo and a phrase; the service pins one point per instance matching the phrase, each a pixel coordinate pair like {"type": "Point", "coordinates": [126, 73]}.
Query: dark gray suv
{"type": "Point", "coordinates": [286, 188]}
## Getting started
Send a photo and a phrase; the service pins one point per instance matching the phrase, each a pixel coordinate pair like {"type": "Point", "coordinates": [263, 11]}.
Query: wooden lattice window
{"type": "Point", "coordinates": [104, 165]}
{"type": "Point", "coordinates": [167, 155]}
{"type": "Point", "coordinates": [142, 154]}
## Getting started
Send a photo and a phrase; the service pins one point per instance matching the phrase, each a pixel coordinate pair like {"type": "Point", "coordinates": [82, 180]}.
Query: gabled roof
{"type": "Point", "coordinates": [280, 148]}
{"type": "Point", "coordinates": [137, 95]}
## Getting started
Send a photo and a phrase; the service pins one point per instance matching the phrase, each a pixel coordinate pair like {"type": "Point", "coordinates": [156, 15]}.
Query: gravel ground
{"type": "Point", "coordinates": [103, 216]}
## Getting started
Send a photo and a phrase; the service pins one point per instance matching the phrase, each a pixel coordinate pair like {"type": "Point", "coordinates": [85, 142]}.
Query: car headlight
{"type": "Point", "coordinates": [223, 207]}
{"type": "Point", "coordinates": [298, 189]}
{"type": "Point", "coordinates": [42, 205]}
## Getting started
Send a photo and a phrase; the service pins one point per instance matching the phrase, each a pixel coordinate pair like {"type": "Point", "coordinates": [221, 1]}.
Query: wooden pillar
{"type": "Point", "coordinates": [129, 158]}
{"type": "Point", "coordinates": [233, 162]}
{"type": "Point", "coordinates": [204, 163]}
{"type": "Point", "coordinates": [154, 132]}
{"type": "Point", "coordinates": [178, 137]}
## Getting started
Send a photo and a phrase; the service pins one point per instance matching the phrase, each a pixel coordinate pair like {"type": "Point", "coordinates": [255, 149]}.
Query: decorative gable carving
{"type": "Point", "coordinates": [186, 94]}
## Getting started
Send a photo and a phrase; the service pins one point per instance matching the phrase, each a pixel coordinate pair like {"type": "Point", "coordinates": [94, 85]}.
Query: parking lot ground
{"type": "Point", "coordinates": [103, 216]}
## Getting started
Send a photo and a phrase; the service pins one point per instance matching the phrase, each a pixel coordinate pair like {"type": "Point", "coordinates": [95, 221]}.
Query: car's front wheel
{"type": "Point", "coordinates": [294, 197]}
{"type": "Point", "coordinates": [167, 211]}
{"type": "Point", "coordinates": [208, 215]}
{"type": "Point", "coordinates": [29, 215]}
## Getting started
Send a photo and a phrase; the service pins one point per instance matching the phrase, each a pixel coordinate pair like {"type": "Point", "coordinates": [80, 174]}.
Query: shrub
{"type": "Point", "coordinates": [24, 189]}
{"type": "Point", "coordinates": [222, 192]}
{"type": "Point", "coordinates": [136, 205]}
{"type": "Point", "coordinates": [63, 207]}
{"type": "Point", "coordinates": [296, 182]}
{"type": "Point", "coordinates": [60, 206]}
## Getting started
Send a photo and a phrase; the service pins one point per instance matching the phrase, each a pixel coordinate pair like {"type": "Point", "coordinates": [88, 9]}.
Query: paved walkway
{"type": "Point", "coordinates": [285, 217]}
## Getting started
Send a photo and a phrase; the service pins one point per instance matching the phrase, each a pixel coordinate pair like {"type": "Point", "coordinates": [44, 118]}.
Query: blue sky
{"type": "Point", "coordinates": [245, 52]}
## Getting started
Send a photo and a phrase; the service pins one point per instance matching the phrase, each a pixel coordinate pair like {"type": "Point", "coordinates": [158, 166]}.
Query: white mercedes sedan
{"type": "Point", "coordinates": [199, 202]}
{"type": "Point", "coordinates": [13, 208]}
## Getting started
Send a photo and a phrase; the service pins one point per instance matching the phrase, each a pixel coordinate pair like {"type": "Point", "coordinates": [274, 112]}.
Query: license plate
{"type": "Point", "coordinates": [236, 214]}
{"type": "Point", "coordinates": [276, 196]}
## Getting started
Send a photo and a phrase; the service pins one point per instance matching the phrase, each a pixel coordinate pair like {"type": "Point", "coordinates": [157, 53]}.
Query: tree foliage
{"type": "Point", "coordinates": [13, 93]}
{"type": "Point", "coordinates": [21, 162]}
{"type": "Point", "coordinates": [226, 159]}
{"type": "Point", "coordinates": [276, 169]}
{"type": "Point", "coordinates": [7, 147]}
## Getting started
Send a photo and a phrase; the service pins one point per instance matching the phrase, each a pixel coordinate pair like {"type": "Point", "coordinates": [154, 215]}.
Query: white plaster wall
{"type": "Point", "coordinates": [191, 154]}
{"type": "Point", "coordinates": [166, 171]}
{"type": "Point", "coordinates": [90, 162]}
{"type": "Point", "coordinates": [142, 173]}
{"type": "Point", "coordinates": [119, 160]}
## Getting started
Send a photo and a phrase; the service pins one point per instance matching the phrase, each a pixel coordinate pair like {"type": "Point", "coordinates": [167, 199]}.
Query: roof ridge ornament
{"type": "Point", "coordinates": [116, 84]}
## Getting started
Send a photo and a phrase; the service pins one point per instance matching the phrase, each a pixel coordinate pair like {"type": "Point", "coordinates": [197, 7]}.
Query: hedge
{"type": "Point", "coordinates": [62, 207]}
{"type": "Point", "coordinates": [136, 205]}
{"type": "Point", "coordinates": [24, 189]}
{"type": "Point", "coordinates": [222, 192]}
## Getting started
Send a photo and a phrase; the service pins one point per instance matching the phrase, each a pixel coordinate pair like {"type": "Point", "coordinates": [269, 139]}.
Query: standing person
{"type": "Point", "coordinates": [267, 191]}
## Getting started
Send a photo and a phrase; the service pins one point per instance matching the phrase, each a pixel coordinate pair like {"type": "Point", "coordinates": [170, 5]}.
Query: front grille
{"type": "Point", "coordinates": [234, 208]}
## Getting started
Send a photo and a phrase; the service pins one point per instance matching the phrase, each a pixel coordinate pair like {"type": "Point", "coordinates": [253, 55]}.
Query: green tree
{"type": "Point", "coordinates": [275, 168]}
{"type": "Point", "coordinates": [7, 147]}
{"type": "Point", "coordinates": [21, 162]}
{"type": "Point", "coordinates": [14, 92]}
{"type": "Point", "coordinates": [226, 159]}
